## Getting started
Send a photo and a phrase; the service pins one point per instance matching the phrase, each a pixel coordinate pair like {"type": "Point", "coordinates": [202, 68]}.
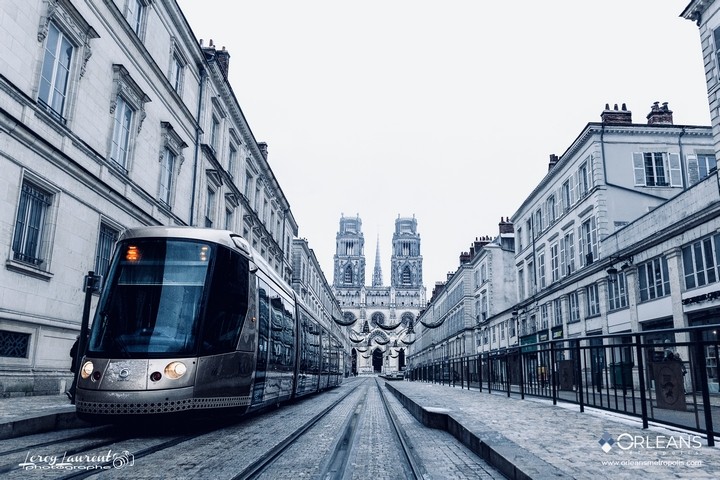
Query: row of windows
{"type": "Point", "coordinates": [564, 258]}
{"type": "Point", "coordinates": [651, 169]}
{"type": "Point", "coordinates": [128, 113]}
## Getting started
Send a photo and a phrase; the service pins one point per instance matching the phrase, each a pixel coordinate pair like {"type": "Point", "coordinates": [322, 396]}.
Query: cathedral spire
{"type": "Point", "coordinates": [377, 273]}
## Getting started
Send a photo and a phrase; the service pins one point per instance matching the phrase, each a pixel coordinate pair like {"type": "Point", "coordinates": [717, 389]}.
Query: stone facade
{"type": "Point", "coordinates": [110, 118]}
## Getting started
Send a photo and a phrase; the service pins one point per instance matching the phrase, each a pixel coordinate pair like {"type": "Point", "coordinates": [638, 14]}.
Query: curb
{"type": "Point", "coordinates": [513, 461]}
{"type": "Point", "coordinates": [40, 424]}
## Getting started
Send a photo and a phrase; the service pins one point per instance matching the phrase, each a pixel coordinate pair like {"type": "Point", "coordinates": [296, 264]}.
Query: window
{"type": "Point", "coordinates": [550, 208]}
{"type": "Point", "coordinates": [538, 223]}
{"type": "Point", "coordinates": [544, 319]}
{"type": "Point", "coordinates": [232, 160]}
{"type": "Point", "coordinates": [348, 277]}
{"type": "Point", "coordinates": [166, 176]}
{"type": "Point", "coordinates": [128, 100]}
{"type": "Point", "coordinates": [588, 242]}
{"type": "Point", "coordinates": [55, 72]}
{"type": "Point", "coordinates": [210, 208]}
{"type": "Point", "coordinates": [557, 311]}
{"type": "Point", "coordinates": [106, 242]}
{"type": "Point", "coordinates": [657, 169]}
{"type": "Point", "coordinates": [583, 185]}
{"type": "Point", "coordinates": [700, 261]}
{"type": "Point", "coordinates": [574, 307]}
{"type": "Point", "coordinates": [170, 160]}
{"type": "Point", "coordinates": [555, 262]}
{"type": "Point", "coordinates": [248, 184]}
{"type": "Point", "coordinates": [593, 300]}
{"type": "Point", "coordinates": [121, 132]}
{"type": "Point", "coordinates": [617, 291]}
{"type": "Point", "coordinates": [519, 239]}
{"type": "Point", "coordinates": [653, 279]}
{"type": "Point", "coordinates": [214, 133]}
{"type": "Point", "coordinates": [135, 16]}
{"type": "Point", "coordinates": [567, 192]}
{"type": "Point", "coordinates": [30, 225]}
{"type": "Point", "coordinates": [567, 254]}
{"type": "Point", "coordinates": [706, 165]}
{"type": "Point", "coordinates": [541, 269]}
{"type": "Point", "coordinates": [521, 284]}
{"type": "Point", "coordinates": [484, 306]}
{"type": "Point", "coordinates": [178, 63]}
{"type": "Point", "coordinates": [532, 284]}
{"type": "Point", "coordinates": [229, 216]}
{"type": "Point", "coordinates": [700, 166]}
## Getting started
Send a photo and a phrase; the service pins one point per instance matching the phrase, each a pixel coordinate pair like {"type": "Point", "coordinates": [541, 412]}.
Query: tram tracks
{"type": "Point", "coordinates": [363, 424]}
{"type": "Point", "coordinates": [355, 431]}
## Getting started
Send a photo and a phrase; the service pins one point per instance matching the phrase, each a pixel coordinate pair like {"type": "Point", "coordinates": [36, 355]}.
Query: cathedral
{"type": "Point", "coordinates": [381, 318]}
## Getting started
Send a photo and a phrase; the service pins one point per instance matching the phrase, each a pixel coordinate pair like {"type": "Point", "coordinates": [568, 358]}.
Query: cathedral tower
{"type": "Point", "coordinates": [406, 261]}
{"type": "Point", "coordinates": [349, 254]}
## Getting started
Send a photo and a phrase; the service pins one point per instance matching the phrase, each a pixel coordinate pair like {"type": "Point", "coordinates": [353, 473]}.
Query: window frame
{"type": "Point", "coordinates": [41, 258]}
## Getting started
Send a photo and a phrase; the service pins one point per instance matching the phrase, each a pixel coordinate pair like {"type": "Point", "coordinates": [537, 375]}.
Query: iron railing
{"type": "Point", "coordinates": [669, 377]}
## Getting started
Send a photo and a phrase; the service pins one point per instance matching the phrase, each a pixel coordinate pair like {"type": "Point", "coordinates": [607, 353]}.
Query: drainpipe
{"type": "Point", "coordinates": [683, 173]}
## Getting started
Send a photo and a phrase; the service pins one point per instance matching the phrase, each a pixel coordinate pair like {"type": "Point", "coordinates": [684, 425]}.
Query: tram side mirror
{"type": "Point", "coordinates": [253, 267]}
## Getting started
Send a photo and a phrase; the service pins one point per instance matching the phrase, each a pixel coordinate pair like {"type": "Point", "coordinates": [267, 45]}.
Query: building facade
{"type": "Point", "coordinates": [381, 318]}
{"type": "Point", "coordinates": [618, 237]}
{"type": "Point", "coordinates": [112, 115]}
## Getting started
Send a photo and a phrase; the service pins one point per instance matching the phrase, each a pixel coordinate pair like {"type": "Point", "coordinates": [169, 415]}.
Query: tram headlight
{"type": "Point", "coordinates": [87, 370]}
{"type": "Point", "coordinates": [175, 370]}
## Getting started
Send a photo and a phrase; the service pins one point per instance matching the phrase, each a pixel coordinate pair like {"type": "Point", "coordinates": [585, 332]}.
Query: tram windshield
{"type": "Point", "coordinates": [170, 297]}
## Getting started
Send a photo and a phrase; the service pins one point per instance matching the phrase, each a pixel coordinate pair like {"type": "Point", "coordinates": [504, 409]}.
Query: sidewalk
{"type": "Point", "coordinates": [36, 414]}
{"type": "Point", "coordinates": [535, 439]}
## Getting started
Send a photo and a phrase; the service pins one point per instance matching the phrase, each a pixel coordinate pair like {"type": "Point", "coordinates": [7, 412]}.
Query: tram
{"type": "Point", "coordinates": [193, 319]}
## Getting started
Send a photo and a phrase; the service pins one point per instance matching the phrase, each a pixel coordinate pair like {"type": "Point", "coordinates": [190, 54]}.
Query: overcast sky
{"type": "Point", "coordinates": [446, 110]}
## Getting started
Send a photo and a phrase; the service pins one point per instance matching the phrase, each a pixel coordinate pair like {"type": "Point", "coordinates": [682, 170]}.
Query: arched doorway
{"type": "Point", "coordinates": [377, 360]}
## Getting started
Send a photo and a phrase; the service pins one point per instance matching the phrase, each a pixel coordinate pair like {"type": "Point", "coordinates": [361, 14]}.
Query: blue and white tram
{"type": "Point", "coordinates": [193, 319]}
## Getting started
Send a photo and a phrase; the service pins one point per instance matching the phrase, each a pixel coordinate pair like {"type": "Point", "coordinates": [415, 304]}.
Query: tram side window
{"type": "Point", "coordinates": [227, 303]}
{"type": "Point", "coordinates": [314, 347]}
{"type": "Point", "coordinates": [289, 336]}
{"type": "Point", "coordinates": [264, 325]}
{"type": "Point", "coordinates": [277, 322]}
{"type": "Point", "coordinates": [325, 352]}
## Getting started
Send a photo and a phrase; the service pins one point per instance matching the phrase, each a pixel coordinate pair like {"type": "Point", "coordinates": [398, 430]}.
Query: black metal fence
{"type": "Point", "coordinates": [668, 377]}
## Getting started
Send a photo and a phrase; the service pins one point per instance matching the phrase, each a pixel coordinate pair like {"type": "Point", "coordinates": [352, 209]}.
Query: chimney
{"type": "Point", "coordinates": [615, 116]}
{"type": "Point", "coordinates": [553, 161]}
{"type": "Point", "coordinates": [222, 57]}
{"type": "Point", "coordinates": [506, 226]}
{"type": "Point", "coordinates": [660, 115]}
{"type": "Point", "coordinates": [465, 257]}
{"type": "Point", "coordinates": [480, 243]}
{"type": "Point", "coordinates": [263, 149]}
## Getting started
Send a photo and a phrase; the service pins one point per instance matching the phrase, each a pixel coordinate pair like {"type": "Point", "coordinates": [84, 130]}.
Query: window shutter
{"type": "Point", "coordinates": [693, 173]}
{"type": "Point", "coordinates": [558, 203]}
{"type": "Point", "coordinates": [675, 170]}
{"type": "Point", "coordinates": [639, 168]}
{"type": "Point", "coordinates": [581, 246]}
{"type": "Point", "coordinates": [573, 190]}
